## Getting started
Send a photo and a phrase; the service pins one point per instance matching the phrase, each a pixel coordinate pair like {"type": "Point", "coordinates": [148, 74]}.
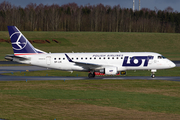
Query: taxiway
{"type": "Point", "coordinates": [30, 78]}
{"type": "Point", "coordinates": [11, 69]}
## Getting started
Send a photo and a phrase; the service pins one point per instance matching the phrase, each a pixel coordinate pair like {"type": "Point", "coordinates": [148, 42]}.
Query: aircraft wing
{"type": "Point", "coordinates": [83, 64]}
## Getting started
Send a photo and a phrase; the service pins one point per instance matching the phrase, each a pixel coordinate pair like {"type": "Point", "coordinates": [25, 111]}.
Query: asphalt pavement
{"type": "Point", "coordinates": [11, 69]}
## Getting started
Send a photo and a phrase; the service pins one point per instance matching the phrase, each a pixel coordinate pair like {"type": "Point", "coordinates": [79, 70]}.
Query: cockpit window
{"type": "Point", "coordinates": [161, 57]}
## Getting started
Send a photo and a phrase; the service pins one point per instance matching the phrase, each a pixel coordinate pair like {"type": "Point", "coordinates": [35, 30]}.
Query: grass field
{"type": "Point", "coordinates": [166, 44]}
{"type": "Point", "coordinates": [90, 99]}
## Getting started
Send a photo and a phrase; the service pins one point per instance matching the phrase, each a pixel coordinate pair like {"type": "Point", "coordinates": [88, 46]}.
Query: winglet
{"type": "Point", "coordinates": [69, 59]}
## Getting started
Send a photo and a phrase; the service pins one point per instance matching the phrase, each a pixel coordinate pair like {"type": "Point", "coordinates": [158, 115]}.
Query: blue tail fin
{"type": "Point", "coordinates": [20, 45]}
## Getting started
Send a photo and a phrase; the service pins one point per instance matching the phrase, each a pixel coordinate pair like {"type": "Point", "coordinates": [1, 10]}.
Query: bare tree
{"type": "Point", "coordinates": [71, 17]}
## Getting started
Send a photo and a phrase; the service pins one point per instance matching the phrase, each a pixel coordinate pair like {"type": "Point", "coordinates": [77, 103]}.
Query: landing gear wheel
{"type": "Point", "coordinates": [153, 75]}
{"type": "Point", "coordinates": [91, 75]}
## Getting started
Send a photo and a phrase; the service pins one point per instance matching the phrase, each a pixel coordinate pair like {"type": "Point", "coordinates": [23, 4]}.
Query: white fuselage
{"type": "Point", "coordinates": [122, 60]}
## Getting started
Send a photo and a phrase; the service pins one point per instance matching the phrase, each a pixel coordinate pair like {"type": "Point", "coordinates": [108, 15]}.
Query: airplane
{"type": "Point", "coordinates": [100, 63]}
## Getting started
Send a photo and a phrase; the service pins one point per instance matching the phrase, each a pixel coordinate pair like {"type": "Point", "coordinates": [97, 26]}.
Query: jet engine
{"type": "Point", "coordinates": [109, 71]}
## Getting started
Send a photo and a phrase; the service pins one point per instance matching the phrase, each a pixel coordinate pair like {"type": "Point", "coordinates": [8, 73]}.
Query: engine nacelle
{"type": "Point", "coordinates": [111, 71]}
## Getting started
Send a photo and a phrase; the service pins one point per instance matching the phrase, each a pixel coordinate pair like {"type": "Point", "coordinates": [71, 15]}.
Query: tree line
{"type": "Point", "coordinates": [71, 17]}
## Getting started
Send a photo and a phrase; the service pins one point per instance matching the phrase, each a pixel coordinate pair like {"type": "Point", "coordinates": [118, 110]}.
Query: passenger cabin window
{"type": "Point", "coordinates": [59, 58]}
{"type": "Point", "coordinates": [63, 58]}
{"type": "Point", "coordinates": [54, 58]}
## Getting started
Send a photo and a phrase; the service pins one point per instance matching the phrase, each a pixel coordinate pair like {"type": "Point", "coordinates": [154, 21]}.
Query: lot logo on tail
{"type": "Point", "coordinates": [17, 41]}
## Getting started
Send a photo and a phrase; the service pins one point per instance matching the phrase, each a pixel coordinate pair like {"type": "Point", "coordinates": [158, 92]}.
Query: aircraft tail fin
{"type": "Point", "coordinates": [20, 45]}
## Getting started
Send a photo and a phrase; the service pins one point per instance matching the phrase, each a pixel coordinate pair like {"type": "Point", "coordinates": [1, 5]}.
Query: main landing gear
{"type": "Point", "coordinates": [91, 75]}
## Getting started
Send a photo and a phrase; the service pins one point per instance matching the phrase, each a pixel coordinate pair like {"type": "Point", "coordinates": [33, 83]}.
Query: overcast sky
{"type": "Point", "coordinates": [159, 4]}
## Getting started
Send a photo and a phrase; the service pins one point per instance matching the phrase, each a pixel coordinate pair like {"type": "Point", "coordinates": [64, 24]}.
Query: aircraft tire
{"type": "Point", "coordinates": [153, 76]}
{"type": "Point", "coordinates": [90, 75]}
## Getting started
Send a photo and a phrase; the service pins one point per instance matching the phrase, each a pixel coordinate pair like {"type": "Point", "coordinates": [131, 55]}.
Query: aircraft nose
{"type": "Point", "coordinates": [172, 64]}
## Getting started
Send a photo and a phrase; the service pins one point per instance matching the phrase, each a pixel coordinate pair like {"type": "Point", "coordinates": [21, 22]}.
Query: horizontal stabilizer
{"type": "Point", "coordinates": [11, 57]}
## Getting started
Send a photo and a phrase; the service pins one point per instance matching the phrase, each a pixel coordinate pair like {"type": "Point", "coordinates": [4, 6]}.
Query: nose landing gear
{"type": "Point", "coordinates": [153, 73]}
